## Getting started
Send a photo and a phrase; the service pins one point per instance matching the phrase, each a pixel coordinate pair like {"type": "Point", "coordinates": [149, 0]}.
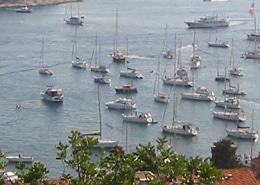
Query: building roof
{"type": "Point", "coordinates": [240, 176]}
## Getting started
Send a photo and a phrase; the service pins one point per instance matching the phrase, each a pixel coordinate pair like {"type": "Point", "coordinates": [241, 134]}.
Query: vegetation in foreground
{"type": "Point", "coordinates": [117, 167]}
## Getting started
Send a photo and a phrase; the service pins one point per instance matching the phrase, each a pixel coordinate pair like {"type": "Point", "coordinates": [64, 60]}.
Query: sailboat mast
{"type": "Point", "coordinates": [175, 50]}
{"type": "Point", "coordinates": [251, 152]}
{"type": "Point", "coordinates": [116, 31]}
{"type": "Point", "coordinates": [99, 113]}
{"type": "Point", "coordinates": [166, 38]}
{"type": "Point", "coordinates": [42, 52]}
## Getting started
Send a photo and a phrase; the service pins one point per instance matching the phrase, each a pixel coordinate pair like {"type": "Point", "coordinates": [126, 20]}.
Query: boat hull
{"type": "Point", "coordinates": [179, 130]}
{"type": "Point", "coordinates": [242, 134]}
{"type": "Point", "coordinates": [17, 159]}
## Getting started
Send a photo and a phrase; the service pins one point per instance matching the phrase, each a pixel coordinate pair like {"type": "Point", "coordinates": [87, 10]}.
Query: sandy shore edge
{"type": "Point", "coordinates": [35, 3]}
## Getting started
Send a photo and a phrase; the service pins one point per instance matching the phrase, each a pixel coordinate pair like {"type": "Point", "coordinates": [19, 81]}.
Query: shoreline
{"type": "Point", "coordinates": [35, 3]}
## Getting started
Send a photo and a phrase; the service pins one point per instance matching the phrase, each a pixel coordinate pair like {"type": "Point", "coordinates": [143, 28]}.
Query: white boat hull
{"type": "Point", "coordinates": [79, 64]}
{"type": "Point", "coordinates": [162, 98]}
{"type": "Point", "coordinates": [106, 143]}
{"type": "Point", "coordinates": [17, 159]}
{"type": "Point", "coordinates": [177, 82]}
{"type": "Point", "coordinates": [180, 130]}
{"type": "Point", "coordinates": [144, 118]}
{"type": "Point", "coordinates": [230, 116]}
{"type": "Point", "coordinates": [197, 97]}
{"type": "Point", "coordinates": [242, 134]}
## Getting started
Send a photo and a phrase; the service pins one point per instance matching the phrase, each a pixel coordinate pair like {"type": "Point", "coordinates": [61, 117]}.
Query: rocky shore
{"type": "Point", "coordinates": [31, 3]}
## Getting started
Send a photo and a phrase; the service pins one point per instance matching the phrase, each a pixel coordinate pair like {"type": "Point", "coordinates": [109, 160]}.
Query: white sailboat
{"type": "Point", "coordinates": [255, 53]}
{"type": "Point", "coordinates": [177, 79]}
{"type": "Point", "coordinates": [139, 117]}
{"type": "Point", "coordinates": [234, 71]}
{"type": "Point", "coordinates": [219, 43]}
{"type": "Point", "coordinates": [102, 143]}
{"type": "Point", "coordinates": [198, 96]}
{"type": "Point", "coordinates": [232, 90]}
{"type": "Point", "coordinates": [117, 54]}
{"type": "Point", "coordinates": [229, 102]}
{"type": "Point", "coordinates": [74, 20]}
{"type": "Point", "coordinates": [244, 133]}
{"type": "Point", "coordinates": [159, 96]}
{"type": "Point", "coordinates": [130, 72]}
{"type": "Point", "coordinates": [166, 53]}
{"type": "Point", "coordinates": [195, 58]}
{"type": "Point", "coordinates": [121, 104]}
{"type": "Point", "coordinates": [44, 70]}
{"type": "Point", "coordinates": [179, 127]}
{"type": "Point", "coordinates": [76, 61]}
{"type": "Point", "coordinates": [237, 115]}
{"type": "Point", "coordinates": [222, 77]}
{"type": "Point", "coordinates": [98, 67]}
{"type": "Point", "coordinates": [255, 34]}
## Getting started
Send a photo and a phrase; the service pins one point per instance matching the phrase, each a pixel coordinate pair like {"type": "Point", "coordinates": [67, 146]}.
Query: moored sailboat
{"type": "Point", "coordinates": [102, 143]}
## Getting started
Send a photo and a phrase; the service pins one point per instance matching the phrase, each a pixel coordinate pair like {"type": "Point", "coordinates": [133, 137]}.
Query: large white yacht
{"type": "Point", "coordinates": [208, 22]}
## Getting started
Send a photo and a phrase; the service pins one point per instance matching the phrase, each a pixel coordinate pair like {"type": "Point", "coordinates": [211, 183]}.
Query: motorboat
{"type": "Point", "coordinates": [79, 63]}
{"type": "Point", "coordinates": [234, 91]}
{"type": "Point", "coordinates": [198, 97]}
{"type": "Point", "coordinates": [230, 116]}
{"type": "Point", "coordinates": [219, 44]}
{"type": "Point", "coordinates": [180, 129]}
{"type": "Point", "coordinates": [126, 89]}
{"type": "Point", "coordinates": [161, 97]}
{"type": "Point", "coordinates": [204, 91]}
{"type": "Point", "coordinates": [101, 79]}
{"type": "Point", "coordinates": [229, 102]}
{"type": "Point", "coordinates": [45, 71]}
{"type": "Point", "coordinates": [177, 81]}
{"type": "Point", "coordinates": [208, 22]}
{"type": "Point", "coordinates": [52, 94]}
{"type": "Point", "coordinates": [121, 104]}
{"type": "Point", "coordinates": [24, 9]}
{"type": "Point", "coordinates": [103, 68]}
{"type": "Point", "coordinates": [242, 134]}
{"type": "Point", "coordinates": [131, 73]}
{"type": "Point", "coordinates": [139, 118]}
{"type": "Point", "coordinates": [19, 158]}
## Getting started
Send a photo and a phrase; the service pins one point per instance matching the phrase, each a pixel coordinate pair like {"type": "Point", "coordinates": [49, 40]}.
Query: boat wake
{"type": "Point", "coordinates": [140, 57]}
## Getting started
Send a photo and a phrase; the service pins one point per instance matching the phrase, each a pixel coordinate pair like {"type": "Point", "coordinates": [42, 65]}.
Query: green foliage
{"type": "Point", "coordinates": [224, 155]}
{"type": "Point", "coordinates": [32, 174]}
{"type": "Point", "coordinates": [3, 164]}
{"type": "Point", "coordinates": [116, 167]}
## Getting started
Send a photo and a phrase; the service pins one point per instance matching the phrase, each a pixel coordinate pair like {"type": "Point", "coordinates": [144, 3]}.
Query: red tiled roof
{"type": "Point", "coordinates": [240, 176]}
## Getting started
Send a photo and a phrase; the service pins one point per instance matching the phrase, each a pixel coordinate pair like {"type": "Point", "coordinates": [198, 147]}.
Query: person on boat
{"type": "Point", "coordinates": [19, 155]}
